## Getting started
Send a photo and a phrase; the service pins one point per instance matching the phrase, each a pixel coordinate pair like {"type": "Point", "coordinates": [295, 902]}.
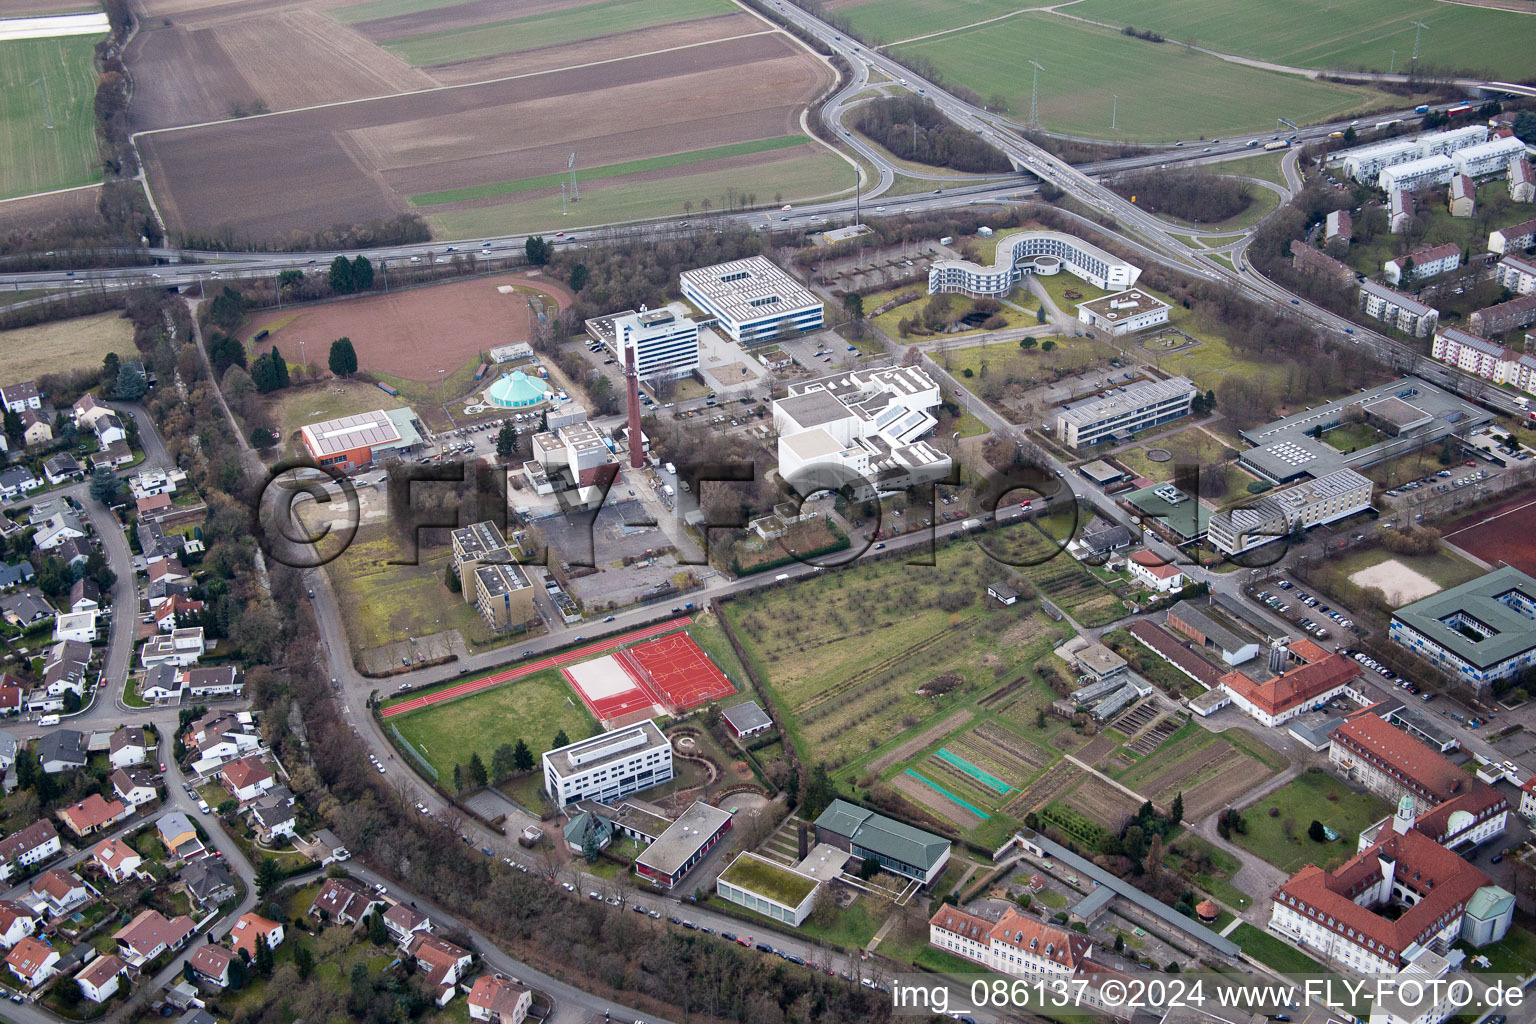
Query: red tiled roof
{"type": "Point", "coordinates": [112, 852]}
{"type": "Point", "coordinates": [1441, 880]}
{"type": "Point", "coordinates": [211, 961]}
{"type": "Point", "coordinates": [1290, 689]}
{"type": "Point", "coordinates": [1482, 802]}
{"type": "Point", "coordinates": [1308, 651]}
{"type": "Point", "coordinates": [1024, 933]}
{"type": "Point", "coordinates": [498, 995]}
{"type": "Point", "coordinates": [1412, 763]}
{"type": "Point", "coordinates": [56, 884]}
{"type": "Point", "coordinates": [1156, 564]}
{"type": "Point", "coordinates": [29, 838]}
{"type": "Point", "coordinates": [27, 956]}
{"type": "Point", "coordinates": [1160, 641]}
{"type": "Point", "coordinates": [150, 929]}
{"type": "Point", "coordinates": [246, 772]}
{"type": "Point", "coordinates": [102, 970]}
{"type": "Point", "coordinates": [969, 926]}
{"type": "Point", "coordinates": [92, 813]}
{"type": "Point", "coordinates": [10, 910]}
{"type": "Point", "coordinates": [243, 935]}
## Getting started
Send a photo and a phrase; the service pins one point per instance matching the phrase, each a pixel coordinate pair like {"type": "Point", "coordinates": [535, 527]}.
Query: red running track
{"type": "Point", "coordinates": [578, 654]}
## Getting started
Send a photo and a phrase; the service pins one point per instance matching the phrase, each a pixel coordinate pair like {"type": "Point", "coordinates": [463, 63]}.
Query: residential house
{"type": "Point", "coordinates": [18, 398]}
{"type": "Point", "coordinates": [99, 979]}
{"type": "Point", "coordinates": [150, 934]}
{"type": "Point", "coordinates": [1514, 239]}
{"type": "Point", "coordinates": [109, 429]}
{"type": "Point", "coordinates": [153, 506]}
{"type": "Point", "coordinates": [442, 963]}
{"type": "Point", "coordinates": [17, 481]}
{"type": "Point", "coordinates": [62, 468]}
{"type": "Point", "coordinates": [169, 569]}
{"type": "Point", "coordinates": [499, 1000]}
{"type": "Point", "coordinates": [117, 860]}
{"type": "Point", "coordinates": [1462, 196]}
{"type": "Point", "coordinates": [1338, 225]}
{"type": "Point", "coordinates": [7, 751]}
{"type": "Point", "coordinates": [208, 882]}
{"type": "Point", "coordinates": [155, 481]}
{"type": "Point", "coordinates": [85, 595]}
{"type": "Point", "coordinates": [62, 750]}
{"type": "Point", "coordinates": [92, 814]}
{"type": "Point", "coordinates": [74, 551]}
{"type": "Point", "coordinates": [111, 456]}
{"type": "Point", "coordinates": [251, 929]}
{"type": "Point", "coordinates": [57, 529]}
{"type": "Point", "coordinates": [87, 410]}
{"type": "Point", "coordinates": [10, 702]}
{"type": "Point", "coordinates": [77, 626]}
{"type": "Point", "coordinates": [273, 819]}
{"type": "Point", "coordinates": [66, 667]}
{"type": "Point", "coordinates": [176, 610]}
{"type": "Point", "coordinates": [179, 647]}
{"type": "Point", "coordinates": [127, 747]}
{"type": "Point", "coordinates": [404, 922]}
{"type": "Point", "coordinates": [1156, 572]}
{"type": "Point", "coordinates": [1422, 263]}
{"type": "Point", "coordinates": [59, 892]}
{"type": "Point", "coordinates": [211, 964]}
{"type": "Point", "coordinates": [25, 608]}
{"type": "Point", "coordinates": [31, 846]}
{"type": "Point", "coordinates": [33, 961]}
{"type": "Point", "coordinates": [1522, 180]}
{"type": "Point", "coordinates": [17, 921]}
{"type": "Point", "coordinates": [155, 544]}
{"type": "Point", "coordinates": [1307, 260]}
{"type": "Point", "coordinates": [35, 430]}
{"type": "Point", "coordinates": [135, 787]}
{"type": "Point", "coordinates": [13, 576]}
{"type": "Point", "coordinates": [1503, 317]}
{"type": "Point", "coordinates": [178, 835]}
{"type": "Point", "coordinates": [221, 735]}
{"type": "Point", "coordinates": [343, 901]}
{"type": "Point", "coordinates": [246, 778]}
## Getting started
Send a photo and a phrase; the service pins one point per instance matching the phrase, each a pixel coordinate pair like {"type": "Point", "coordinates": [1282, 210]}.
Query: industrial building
{"type": "Point", "coordinates": [1428, 262]}
{"type": "Point", "coordinates": [351, 442]}
{"type": "Point", "coordinates": [862, 428]}
{"type": "Point", "coordinates": [752, 299]}
{"type": "Point", "coordinates": [1124, 411]}
{"type": "Point", "coordinates": [1032, 252]}
{"type": "Point", "coordinates": [1478, 632]}
{"type": "Point", "coordinates": [1395, 309]}
{"type": "Point", "coordinates": [1124, 312]}
{"type": "Point", "coordinates": [609, 767]}
{"type": "Point", "coordinates": [1328, 498]}
{"type": "Point", "coordinates": [573, 458]}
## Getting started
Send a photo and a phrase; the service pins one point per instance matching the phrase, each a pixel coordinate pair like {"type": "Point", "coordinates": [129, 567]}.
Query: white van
{"type": "Point", "coordinates": [48, 720]}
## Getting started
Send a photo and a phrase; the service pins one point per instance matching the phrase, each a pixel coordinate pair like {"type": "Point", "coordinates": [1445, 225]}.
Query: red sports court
{"type": "Point", "coordinates": [611, 687]}
{"type": "Point", "coordinates": [678, 672]}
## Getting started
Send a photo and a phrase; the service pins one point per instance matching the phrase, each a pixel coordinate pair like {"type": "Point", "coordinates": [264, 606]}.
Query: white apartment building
{"type": "Point", "coordinates": [1407, 314]}
{"type": "Point", "coordinates": [666, 345]}
{"type": "Point", "coordinates": [1328, 498]}
{"type": "Point", "coordinates": [1462, 196]}
{"type": "Point", "coordinates": [1124, 312]}
{"type": "Point", "coordinates": [1514, 239]}
{"type": "Point", "coordinates": [1424, 263]}
{"type": "Point", "coordinates": [1485, 158]}
{"type": "Point", "coordinates": [1416, 174]}
{"type": "Point", "coordinates": [1365, 163]}
{"type": "Point", "coordinates": [1032, 252]}
{"type": "Point", "coordinates": [752, 299]}
{"type": "Point", "coordinates": [1522, 180]}
{"type": "Point", "coordinates": [1124, 411]}
{"type": "Point", "coordinates": [1516, 273]}
{"type": "Point", "coordinates": [608, 767]}
{"type": "Point", "coordinates": [862, 428]}
{"type": "Point", "coordinates": [1400, 207]}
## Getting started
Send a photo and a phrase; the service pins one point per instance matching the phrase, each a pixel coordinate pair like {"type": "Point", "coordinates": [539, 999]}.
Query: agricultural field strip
{"type": "Point", "coordinates": [1046, 789]}
{"type": "Point", "coordinates": [936, 802]}
{"type": "Point", "coordinates": [867, 675]}
{"type": "Point", "coordinates": [455, 195]}
{"type": "Point", "coordinates": [494, 80]}
{"type": "Point", "coordinates": [945, 792]}
{"type": "Point", "coordinates": [909, 749]}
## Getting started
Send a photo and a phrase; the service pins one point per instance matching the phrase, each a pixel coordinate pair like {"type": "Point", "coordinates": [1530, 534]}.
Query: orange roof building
{"type": "Point", "coordinates": [1280, 699]}
{"type": "Point", "coordinates": [1014, 945]}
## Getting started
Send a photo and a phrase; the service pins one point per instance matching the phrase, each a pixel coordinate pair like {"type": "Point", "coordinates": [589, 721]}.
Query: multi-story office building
{"type": "Point", "coordinates": [1124, 411]}
{"type": "Point", "coordinates": [503, 595]}
{"type": "Point", "coordinates": [752, 299]}
{"type": "Point", "coordinates": [666, 345]}
{"type": "Point", "coordinates": [608, 767]}
{"type": "Point", "coordinates": [1479, 632]}
{"type": "Point", "coordinates": [1033, 252]}
{"type": "Point", "coordinates": [1403, 312]}
{"type": "Point", "coordinates": [1279, 514]}
{"type": "Point", "coordinates": [1424, 263]}
{"type": "Point", "coordinates": [1416, 174]}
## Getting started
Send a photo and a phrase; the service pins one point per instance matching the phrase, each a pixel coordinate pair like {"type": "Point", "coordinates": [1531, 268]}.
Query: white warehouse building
{"type": "Point", "coordinates": [608, 767]}
{"type": "Point", "coordinates": [1032, 252]}
{"type": "Point", "coordinates": [752, 299]}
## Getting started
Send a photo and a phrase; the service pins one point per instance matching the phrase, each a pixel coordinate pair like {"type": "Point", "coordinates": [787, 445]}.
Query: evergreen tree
{"type": "Point", "coordinates": [1176, 811]}
{"type": "Point", "coordinates": [503, 763]}
{"type": "Point", "coordinates": [451, 579]}
{"type": "Point", "coordinates": [561, 739]}
{"type": "Point", "coordinates": [477, 774]}
{"type": "Point", "coordinates": [589, 848]}
{"type": "Point", "coordinates": [343, 360]}
{"type": "Point", "coordinates": [458, 778]}
{"type": "Point", "coordinates": [264, 957]}
{"type": "Point", "coordinates": [538, 251]}
{"type": "Point", "coordinates": [819, 793]}
{"type": "Point", "coordinates": [376, 933]}
{"type": "Point", "coordinates": [111, 366]}
{"type": "Point", "coordinates": [362, 274]}
{"type": "Point", "coordinates": [303, 960]}
{"type": "Point", "coordinates": [579, 277]}
{"type": "Point", "coordinates": [268, 876]}
{"type": "Point", "coordinates": [506, 440]}
{"type": "Point", "coordinates": [280, 366]}
{"type": "Point", "coordinates": [104, 485]}
{"type": "Point", "coordinates": [522, 757]}
{"type": "Point", "coordinates": [1316, 833]}
{"type": "Point", "coordinates": [263, 438]}
{"type": "Point", "coordinates": [130, 384]}
{"type": "Point", "coordinates": [342, 282]}
{"type": "Point", "coordinates": [13, 429]}
{"type": "Point", "coordinates": [237, 974]}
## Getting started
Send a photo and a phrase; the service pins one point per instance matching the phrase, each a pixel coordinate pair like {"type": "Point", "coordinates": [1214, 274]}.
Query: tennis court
{"type": "Point", "coordinates": [679, 672]}
{"type": "Point", "coordinates": [610, 688]}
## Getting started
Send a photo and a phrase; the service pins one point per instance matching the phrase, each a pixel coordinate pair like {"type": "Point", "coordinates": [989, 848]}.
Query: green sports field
{"type": "Point", "coordinates": [550, 29]}
{"type": "Point", "coordinates": [1339, 34]}
{"type": "Point", "coordinates": [1165, 91]}
{"type": "Point", "coordinates": [47, 126]}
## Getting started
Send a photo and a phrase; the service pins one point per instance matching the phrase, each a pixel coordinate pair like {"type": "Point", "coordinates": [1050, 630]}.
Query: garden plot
{"type": "Point", "coordinates": [1050, 787]}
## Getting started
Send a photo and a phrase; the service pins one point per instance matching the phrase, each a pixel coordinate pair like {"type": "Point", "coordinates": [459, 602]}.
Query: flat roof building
{"type": "Point", "coordinates": [666, 344]}
{"type": "Point", "coordinates": [1037, 252]}
{"type": "Point", "coordinates": [686, 841]}
{"type": "Point", "coordinates": [752, 299]}
{"type": "Point", "coordinates": [349, 442]}
{"type": "Point", "coordinates": [608, 767]}
{"type": "Point", "coordinates": [1478, 632]}
{"type": "Point", "coordinates": [1335, 496]}
{"type": "Point", "coordinates": [503, 595]}
{"type": "Point", "coordinates": [772, 890]}
{"type": "Point", "coordinates": [747, 719]}
{"type": "Point", "coordinates": [1124, 411]}
{"type": "Point", "coordinates": [1124, 312]}
{"type": "Point", "coordinates": [895, 845]}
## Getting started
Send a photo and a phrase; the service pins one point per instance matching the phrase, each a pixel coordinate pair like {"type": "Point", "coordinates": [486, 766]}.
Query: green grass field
{"type": "Point", "coordinates": [696, 156]}
{"type": "Point", "coordinates": [1353, 436]}
{"type": "Point", "coordinates": [1008, 359]}
{"type": "Point", "coordinates": [1313, 794]}
{"type": "Point", "coordinates": [1165, 91]}
{"type": "Point", "coordinates": [551, 28]}
{"type": "Point", "coordinates": [1346, 35]}
{"type": "Point", "coordinates": [886, 21]}
{"type": "Point", "coordinates": [1268, 949]}
{"type": "Point", "coordinates": [798, 174]}
{"type": "Point", "coordinates": [1264, 165]}
{"type": "Point", "coordinates": [532, 709]}
{"type": "Point", "coordinates": [376, 9]}
{"type": "Point", "coordinates": [47, 121]}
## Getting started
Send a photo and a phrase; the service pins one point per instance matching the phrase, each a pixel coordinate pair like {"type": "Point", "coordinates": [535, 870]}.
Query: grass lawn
{"type": "Point", "coordinates": [1361, 34]}
{"type": "Point", "coordinates": [1313, 794]}
{"type": "Point", "coordinates": [1443, 567]}
{"type": "Point", "coordinates": [533, 709]}
{"type": "Point", "coordinates": [706, 632]}
{"type": "Point", "coordinates": [960, 304]}
{"type": "Point", "coordinates": [1349, 437]}
{"type": "Point", "coordinates": [1515, 953]}
{"type": "Point", "coordinates": [1190, 445]}
{"type": "Point", "coordinates": [291, 408]}
{"type": "Point", "coordinates": [47, 116]}
{"type": "Point", "coordinates": [1493, 207]}
{"type": "Point", "coordinates": [76, 344]}
{"type": "Point", "coordinates": [384, 603]}
{"type": "Point", "coordinates": [549, 28]}
{"type": "Point", "coordinates": [799, 173]}
{"type": "Point", "coordinates": [1209, 867]}
{"type": "Point", "coordinates": [1270, 950]}
{"type": "Point", "coordinates": [1165, 92]}
{"type": "Point", "coordinates": [1262, 165]}
{"type": "Point", "coordinates": [887, 21]}
{"type": "Point", "coordinates": [1057, 286]}
{"type": "Point", "coordinates": [1007, 359]}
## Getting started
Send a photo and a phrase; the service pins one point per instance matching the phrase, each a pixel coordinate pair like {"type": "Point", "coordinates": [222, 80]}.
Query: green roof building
{"type": "Point", "coordinates": [1481, 631]}
{"type": "Point", "coordinates": [774, 890]}
{"type": "Point", "coordinates": [897, 846]}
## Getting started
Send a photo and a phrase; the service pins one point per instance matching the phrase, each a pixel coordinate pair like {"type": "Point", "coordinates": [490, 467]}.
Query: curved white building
{"type": "Point", "coordinates": [1033, 252]}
